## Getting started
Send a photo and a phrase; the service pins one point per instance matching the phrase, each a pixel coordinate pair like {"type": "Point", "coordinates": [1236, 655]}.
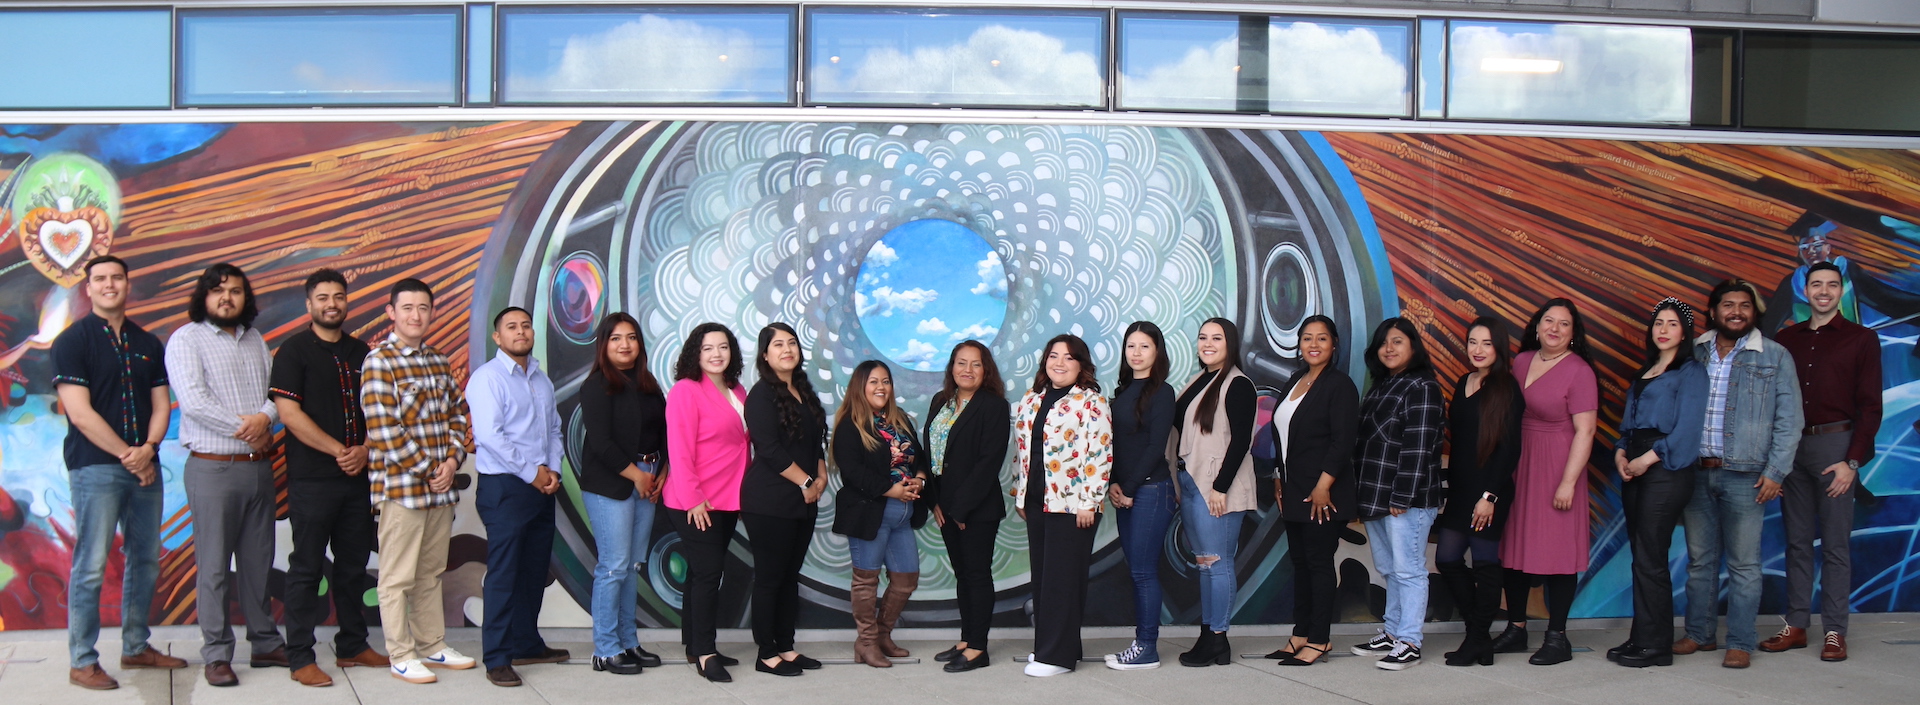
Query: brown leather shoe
{"type": "Point", "coordinates": [152, 658]}
{"type": "Point", "coordinates": [367, 658]}
{"type": "Point", "coordinates": [276, 657]}
{"type": "Point", "coordinates": [310, 675]}
{"type": "Point", "coordinates": [93, 677]}
{"type": "Point", "coordinates": [551, 655]}
{"type": "Point", "coordinates": [503, 676]}
{"type": "Point", "coordinates": [220, 675]}
{"type": "Point", "coordinates": [1835, 649]}
{"type": "Point", "coordinates": [1686, 645]}
{"type": "Point", "coordinates": [1737, 658]}
{"type": "Point", "coordinates": [1788, 638]}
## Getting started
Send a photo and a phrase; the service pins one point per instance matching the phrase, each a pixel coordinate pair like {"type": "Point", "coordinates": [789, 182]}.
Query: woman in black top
{"type": "Point", "coordinates": [884, 469]}
{"type": "Point", "coordinates": [1313, 433]}
{"type": "Point", "coordinates": [1142, 488]}
{"type": "Point", "coordinates": [780, 494]}
{"type": "Point", "coordinates": [626, 442]}
{"type": "Point", "coordinates": [1485, 425]}
{"type": "Point", "coordinates": [966, 431]}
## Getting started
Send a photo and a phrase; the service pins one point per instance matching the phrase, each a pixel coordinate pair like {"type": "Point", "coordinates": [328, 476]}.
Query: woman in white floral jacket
{"type": "Point", "coordinates": [1059, 493]}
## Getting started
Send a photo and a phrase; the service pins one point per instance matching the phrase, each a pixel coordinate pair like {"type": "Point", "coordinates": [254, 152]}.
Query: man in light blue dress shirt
{"type": "Point", "coordinates": [517, 430]}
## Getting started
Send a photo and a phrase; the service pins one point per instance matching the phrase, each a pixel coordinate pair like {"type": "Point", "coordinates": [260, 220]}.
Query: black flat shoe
{"type": "Point", "coordinates": [1511, 641]}
{"type": "Point", "coordinates": [620, 664]}
{"type": "Point", "coordinates": [948, 655]}
{"type": "Point", "coordinates": [1553, 649]}
{"type": "Point", "coordinates": [714, 671]}
{"type": "Point", "coordinates": [1614, 653]}
{"type": "Point", "coordinates": [726, 660]}
{"type": "Point", "coordinates": [781, 668]}
{"type": "Point", "coordinates": [642, 656]}
{"type": "Point", "coordinates": [1295, 660]}
{"type": "Point", "coordinates": [805, 663]}
{"type": "Point", "coordinates": [962, 665]}
{"type": "Point", "coordinates": [1642, 658]}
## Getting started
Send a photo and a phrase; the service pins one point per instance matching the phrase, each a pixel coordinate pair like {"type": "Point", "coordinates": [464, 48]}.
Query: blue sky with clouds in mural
{"type": "Point", "coordinates": [927, 285]}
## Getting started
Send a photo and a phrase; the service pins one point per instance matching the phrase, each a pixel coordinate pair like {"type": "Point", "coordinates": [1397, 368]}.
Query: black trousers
{"type": "Point", "coordinates": [779, 549]}
{"type": "Point", "coordinates": [336, 514]}
{"type": "Point", "coordinates": [1653, 504]}
{"type": "Point", "coordinates": [1060, 552]}
{"type": "Point", "coordinates": [519, 521]}
{"type": "Point", "coordinates": [706, 556]}
{"type": "Point", "coordinates": [971, 552]}
{"type": "Point", "coordinates": [1315, 585]}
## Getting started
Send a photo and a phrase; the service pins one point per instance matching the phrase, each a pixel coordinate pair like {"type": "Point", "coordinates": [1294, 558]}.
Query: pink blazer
{"type": "Point", "coordinates": [707, 447]}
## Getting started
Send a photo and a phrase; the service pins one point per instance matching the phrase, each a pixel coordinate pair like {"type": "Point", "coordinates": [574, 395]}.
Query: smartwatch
{"type": "Point", "coordinates": [1491, 497]}
{"type": "Point", "coordinates": [809, 483]}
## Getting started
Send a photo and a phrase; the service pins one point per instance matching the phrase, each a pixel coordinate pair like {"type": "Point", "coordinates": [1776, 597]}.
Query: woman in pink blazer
{"type": "Point", "coordinates": [707, 442]}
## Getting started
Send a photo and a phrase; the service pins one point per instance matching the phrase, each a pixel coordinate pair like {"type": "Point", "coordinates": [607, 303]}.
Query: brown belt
{"type": "Point", "coordinates": [1826, 428]}
{"type": "Point", "coordinates": [1713, 463]}
{"type": "Point", "coordinates": [246, 458]}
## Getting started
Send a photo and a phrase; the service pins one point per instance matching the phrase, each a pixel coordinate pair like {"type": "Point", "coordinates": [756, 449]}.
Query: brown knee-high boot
{"type": "Point", "coordinates": [866, 614]}
{"type": "Point", "coordinates": [900, 586]}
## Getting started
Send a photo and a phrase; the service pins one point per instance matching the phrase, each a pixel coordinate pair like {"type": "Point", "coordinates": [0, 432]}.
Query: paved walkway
{"type": "Point", "coordinates": [1885, 668]}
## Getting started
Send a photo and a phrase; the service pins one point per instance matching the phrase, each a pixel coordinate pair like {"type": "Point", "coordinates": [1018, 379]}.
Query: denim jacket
{"type": "Point", "coordinates": [1763, 415]}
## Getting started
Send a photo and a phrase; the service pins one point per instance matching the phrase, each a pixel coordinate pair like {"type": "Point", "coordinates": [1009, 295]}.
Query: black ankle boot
{"type": "Point", "coordinates": [1511, 641]}
{"type": "Point", "coordinates": [1554, 648]}
{"type": "Point", "coordinates": [1471, 647]}
{"type": "Point", "coordinates": [1211, 649]}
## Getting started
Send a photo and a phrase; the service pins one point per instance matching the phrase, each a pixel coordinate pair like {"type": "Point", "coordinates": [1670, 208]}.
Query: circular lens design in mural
{"type": "Point", "coordinates": [579, 287]}
{"type": "Point", "coordinates": [926, 285]}
{"type": "Point", "coordinates": [1287, 293]}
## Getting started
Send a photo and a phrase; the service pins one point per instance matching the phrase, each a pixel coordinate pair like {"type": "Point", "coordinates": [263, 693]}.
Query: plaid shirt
{"type": "Point", "coordinates": [1398, 462]}
{"type": "Point", "coordinates": [1713, 435]}
{"type": "Point", "coordinates": [416, 417]}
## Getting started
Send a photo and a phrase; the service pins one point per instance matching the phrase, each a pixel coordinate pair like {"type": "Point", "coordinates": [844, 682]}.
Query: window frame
{"type": "Point", "coordinates": [502, 11]}
{"type": "Point", "coordinates": [1409, 111]}
{"type": "Point", "coordinates": [458, 12]}
{"type": "Point", "coordinates": [173, 51]}
{"type": "Point", "coordinates": [1105, 62]}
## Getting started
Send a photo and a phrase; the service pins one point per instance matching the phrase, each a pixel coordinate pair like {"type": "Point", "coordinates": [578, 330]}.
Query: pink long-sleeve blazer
{"type": "Point", "coordinates": [707, 447]}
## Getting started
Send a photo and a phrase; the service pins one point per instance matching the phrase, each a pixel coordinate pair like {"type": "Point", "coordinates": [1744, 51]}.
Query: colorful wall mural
{"type": "Point", "coordinates": [893, 241]}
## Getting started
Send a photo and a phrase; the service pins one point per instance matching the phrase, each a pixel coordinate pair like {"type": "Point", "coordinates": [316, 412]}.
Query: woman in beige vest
{"type": "Point", "coordinates": [1214, 475]}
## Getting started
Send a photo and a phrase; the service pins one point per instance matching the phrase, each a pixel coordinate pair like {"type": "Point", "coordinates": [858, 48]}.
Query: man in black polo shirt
{"type": "Point", "coordinates": [316, 387]}
{"type": "Point", "coordinates": [112, 379]}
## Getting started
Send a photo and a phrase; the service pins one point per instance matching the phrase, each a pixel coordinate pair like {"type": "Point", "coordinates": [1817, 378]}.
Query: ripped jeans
{"type": "Point", "coordinates": [1216, 537]}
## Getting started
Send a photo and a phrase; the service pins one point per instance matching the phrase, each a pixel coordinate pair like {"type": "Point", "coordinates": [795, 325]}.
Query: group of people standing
{"type": "Point", "coordinates": [1713, 428]}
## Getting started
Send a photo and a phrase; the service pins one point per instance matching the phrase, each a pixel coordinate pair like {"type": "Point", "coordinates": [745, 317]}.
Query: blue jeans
{"type": "Point", "coordinates": [1399, 546]}
{"type": "Point", "coordinates": [1143, 531]}
{"type": "Point", "coordinates": [1211, 536]}
{"type": "Point", "coordinates": [1724, 520]}
{"type": "Point", "coordinates": [622, 532]}
{"type": "Point", "coordinates": [893, 546]}
{"type": "Point", "coordinates": [105, 496]}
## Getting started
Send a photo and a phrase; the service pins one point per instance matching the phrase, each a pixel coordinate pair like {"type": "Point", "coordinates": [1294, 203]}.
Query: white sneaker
{"type": "Point", "coordinates": [412, 671]}
{"type": "Point", "coordinates": [1044, 670]}
{"type": "Point", "coordinates": [448, 659]}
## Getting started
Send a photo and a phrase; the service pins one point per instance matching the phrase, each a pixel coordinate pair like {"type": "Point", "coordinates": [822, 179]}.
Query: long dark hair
{"type": "Point", "coordinates": [1210, 401]}
{"type": "Point", "coordinates": [197, 306]}
{"type": "Point", "coordinates": [1680, 357]}
{"type": "Point", "coordinates": [789, 408]}
{"type": "Point", "coordinates": [1417, 363]}
{"type": "Point", "coordinates": [854, 408]}
{"type": "Point", "coordinates": [1530, 338]}
{"type": "Point", "coordinates": [1077, 349]}
{"type": "Point", "coordinates": [1499, 390]}
{"type": "Point", "coordinates": [990, 381]}
{"type": "Point", "coordinates": [1156, 375]}
{"type": "Point", "coordinates": [688, 365]}
{"type": "Point", "coordinates": [616, 380]}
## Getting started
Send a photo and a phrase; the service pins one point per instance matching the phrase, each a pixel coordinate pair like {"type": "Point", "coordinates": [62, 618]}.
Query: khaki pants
{"type": "Point", "coordinates": [413, 554]}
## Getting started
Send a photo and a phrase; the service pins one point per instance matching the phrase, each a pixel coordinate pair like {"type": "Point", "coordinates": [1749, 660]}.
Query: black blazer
{"type": "Point", "coordinates": [620, 428]}
{"type": "Point", "coordinates": [1322, 438]}
{"type": "Point", "coordinates": [866, 475]}
{"type": "Point", "coordinates": [968, 488]}
{"type": "Point", "coordinates": [762, 490]}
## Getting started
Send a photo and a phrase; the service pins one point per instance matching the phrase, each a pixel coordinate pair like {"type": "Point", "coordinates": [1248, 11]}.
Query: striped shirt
{"type": "Point", "coordinates": [217, 378]}
{"type": "Point", "coordinates": [416, 418]}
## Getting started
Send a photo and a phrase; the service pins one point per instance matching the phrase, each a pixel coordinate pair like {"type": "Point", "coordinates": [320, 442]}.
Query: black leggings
{"type": "Point", "coordinates": [1454, 546]}
{"type": "Point", "coordinates": [1560, 591]}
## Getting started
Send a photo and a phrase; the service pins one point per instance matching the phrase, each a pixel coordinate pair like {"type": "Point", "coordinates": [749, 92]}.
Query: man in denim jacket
{"type": "Point", "coordinates": [1747, 447]}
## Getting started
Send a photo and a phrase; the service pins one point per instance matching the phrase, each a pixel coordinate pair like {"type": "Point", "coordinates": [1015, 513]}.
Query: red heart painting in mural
{"type": "Point", "coordinates": [67, 205]}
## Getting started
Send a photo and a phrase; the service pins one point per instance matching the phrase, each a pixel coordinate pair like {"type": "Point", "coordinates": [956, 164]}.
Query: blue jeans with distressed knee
{"type": "Point", "coordinates": [1216, 537]}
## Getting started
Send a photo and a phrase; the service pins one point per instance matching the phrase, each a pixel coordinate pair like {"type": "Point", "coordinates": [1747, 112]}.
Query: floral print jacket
{"type": "Point", "coordinates": [1079, 450]}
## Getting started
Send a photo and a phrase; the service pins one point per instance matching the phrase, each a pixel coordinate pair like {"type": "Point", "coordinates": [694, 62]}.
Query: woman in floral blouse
{"type": "Point", "coordinates": [884, 466]}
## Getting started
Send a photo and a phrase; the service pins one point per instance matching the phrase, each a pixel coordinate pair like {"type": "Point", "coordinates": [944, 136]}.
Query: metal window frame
{"type": "Point", "coordinates": [182, 14]}
{"type": "Point", "coordinates": [503, 9]}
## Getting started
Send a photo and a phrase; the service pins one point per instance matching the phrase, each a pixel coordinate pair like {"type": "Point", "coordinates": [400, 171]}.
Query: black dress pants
{"type": "Point", "coordinates": [1060, 552]}
{"type": "Point", "coordinates": [1315, 585]}
{"type": "Point", "coordinates": [971, 552]}
{"type": "Point", "coordinates": [337, 514]}
{"type": "Point", "coordinates": [779, 549]}
{"type": "Point", "coordinates": [520, 528]}
{"type": "Point", "coordinates": [1653, 503]}
{"type": "Point", "coordinates": [706, 555]}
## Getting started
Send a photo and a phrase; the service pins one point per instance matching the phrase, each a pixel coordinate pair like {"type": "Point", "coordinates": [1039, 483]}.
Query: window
{"type": "Point", "coordinates": [121, 59]}
{"type": "Point", "coordinates": [957, 58]}
{"type": "Point", "coordinates": [479, 54]}
{"type": "Point", "coordinates": [650, 55]}
{"type": "Point", "coordinates": [1801, 80]}
{"type": "Point", "coordinates": [348, 56]}
{"type": "Point", "coordinates": [1569, 72]}
{"type": "Point", "coordinates": [1433, 68]}
{"type": "Point", "coordinates": [1263, 64]}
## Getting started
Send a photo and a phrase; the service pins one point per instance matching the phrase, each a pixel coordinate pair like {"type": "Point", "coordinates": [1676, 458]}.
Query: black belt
{"type": "Point", "coordinates": [1826, 428]}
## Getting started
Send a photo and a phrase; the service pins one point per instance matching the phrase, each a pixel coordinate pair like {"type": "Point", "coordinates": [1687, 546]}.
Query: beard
{"type": "Point", "coordinates": [333, 324]}
{"type": "Point", "coordinates": [222, 322]}
{"type": "Point", "coordinates": [1730, 333]}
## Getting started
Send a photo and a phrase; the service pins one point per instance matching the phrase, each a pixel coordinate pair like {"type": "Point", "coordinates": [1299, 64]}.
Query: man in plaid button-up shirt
{"type": "Point", "coordinates": [416, 433]}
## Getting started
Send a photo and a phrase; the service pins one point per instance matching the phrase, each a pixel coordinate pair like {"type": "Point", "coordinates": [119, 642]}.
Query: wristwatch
{"type": "Point", "coordinates": [809, 483]}
{"type": "Point", "coordinates": [1491, 497]}
{"type": "Point", "coordinates": [1854, 464]}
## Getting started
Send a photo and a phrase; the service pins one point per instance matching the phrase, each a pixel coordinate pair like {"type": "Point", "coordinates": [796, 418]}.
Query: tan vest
{"type": "Point", "coordinates": [1204, 452]}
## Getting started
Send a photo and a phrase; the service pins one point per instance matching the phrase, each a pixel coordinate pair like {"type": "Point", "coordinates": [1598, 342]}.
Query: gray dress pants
{"type": "Point", "coordinates": [233, 507]}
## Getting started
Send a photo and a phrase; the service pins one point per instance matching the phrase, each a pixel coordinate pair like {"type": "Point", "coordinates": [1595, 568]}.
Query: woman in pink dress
{"type": "Point", "coordinates": [1546, 536]}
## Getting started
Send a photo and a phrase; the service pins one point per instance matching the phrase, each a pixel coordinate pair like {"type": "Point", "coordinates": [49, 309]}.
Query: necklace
{"type": "Point", "coordinates": [1541, 358]}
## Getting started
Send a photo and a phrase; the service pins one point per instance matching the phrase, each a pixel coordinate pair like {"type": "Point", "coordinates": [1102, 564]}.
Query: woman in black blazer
{"type": "Point", "coordinates": [966, 430]}
{"type": "Point", "coordinates": [626, 445]}
{"type": "Point", "coordinates": [1313, 432]}
{"type": "Point", "coordinates": [883, 466]}
{"type": "Point", "coordinates": [1484, 422]}
{"type": "Point", "coordinates": [780, 493]}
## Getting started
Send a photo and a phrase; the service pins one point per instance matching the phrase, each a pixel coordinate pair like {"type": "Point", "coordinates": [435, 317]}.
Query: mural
{"type": "Point", "coordinates": [893, 241]}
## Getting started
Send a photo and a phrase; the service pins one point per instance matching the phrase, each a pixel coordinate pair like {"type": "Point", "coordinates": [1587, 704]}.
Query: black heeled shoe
{"type": "Point", "coordinates": [1212, 649]}
{"type": "Point", "coordinates": [805, 663]}
{"type": "Point", "coordinates": [1284, 652]}
{"type": "Point", "coordinates": [961, 664]}
{"type": "Point", "coordinates": [949, 654]}
{"type": "Point", "coordinates": [619, 664]}
{"type": "Point", "coordinates": [1511, 641]}
{"type": "Point", "coordinates": [780, 668]}
{"type": "Point", "coordinates": [1295, 660]}
{"type": "Point", "coordinates": [1553, 649]}
{"type": "Point", "coordinates": [1471, 649]}
{"type": "Point", "coordinates": [714, 671]}
{"type": "Point", "coordinates": [642, 656]}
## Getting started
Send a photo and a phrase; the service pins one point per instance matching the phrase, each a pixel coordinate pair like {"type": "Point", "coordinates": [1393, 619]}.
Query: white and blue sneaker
{"type": "Point", "coordinates": [1404, 656]}
{"type": "Point", "coordinates": [412, 671]}
{"type": "Point", "coordinates": [448, 659]}
{"type": "Point", "coordinates": [1137, 657]}
{"type": "Point", "coordinates": [1381, 645]}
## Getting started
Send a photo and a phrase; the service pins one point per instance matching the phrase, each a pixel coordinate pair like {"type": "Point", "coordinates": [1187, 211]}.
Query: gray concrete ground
{"type": "Point", "coordinates": [1885, 668]}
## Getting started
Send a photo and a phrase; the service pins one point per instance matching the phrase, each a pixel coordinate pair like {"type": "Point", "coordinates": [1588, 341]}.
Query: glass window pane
{"type": "Point", "coordinates": [1797, 80]}
{"type": "Point", "coordinates": [1338, 67]}
{"type": "Point", "coordinates": [1570, 72]}
{"type": "Point", "coordinates": [125, 63]}
{"type": "Point", "coordinates": [955, 57]}
{"type": "Point", "coordinates": [398, 56]}
{"type": "Point", "coordinates": [1186, 62]}
{"type": "Point", "coordinates": [1713, 77]}
{"type": "Point", "coordinates": [650, 55]}
{"type": "Point", "coordinates": [479, 54]}
{"type": "Point", "coordinates": [1433, 68]}
{"type": "Point", "coordinates": [1263, 64]}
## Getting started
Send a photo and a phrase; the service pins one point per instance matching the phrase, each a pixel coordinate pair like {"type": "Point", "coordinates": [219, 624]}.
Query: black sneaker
{"type": "Point", "coordinates": [1380, 645]}
{"type": "Point", "coordinates": [1404, 656]}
